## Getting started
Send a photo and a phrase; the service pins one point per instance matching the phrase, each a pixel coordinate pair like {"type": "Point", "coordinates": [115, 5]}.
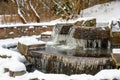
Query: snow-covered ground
{"type": "Point", "coordinates": [104, 12]}
{"type": "Point", "coordinates": [14, 60]}
{"type": "Point", "coordinates": [15, 63]}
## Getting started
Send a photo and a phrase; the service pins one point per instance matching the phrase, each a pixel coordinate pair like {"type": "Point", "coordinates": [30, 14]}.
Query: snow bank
{"type": "Point", "coordinates": [108, 74]}
{"type": "Point", "coordinates": [6, 77]}
{"type": "Point", "coordinates": [39, 75]}
{"type": "Point", "coordinates": [28, 76]}
{"type": "Point", "coordinates": [14, 55]}
{"type": "Point", "coordinates": [104, 12]}
{"type": "Point", "coordinates": [13, 65]}
{"type": "Point", "coordinates": [81, 77]}
{"type": "Point", "coordinates": [102, 75]}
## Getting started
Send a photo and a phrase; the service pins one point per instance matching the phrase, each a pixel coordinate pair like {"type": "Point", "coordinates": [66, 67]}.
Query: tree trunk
{"type": "Point", "coordinates": [20, 13]}
{"type": "Point", "coordinates": [34, 11]}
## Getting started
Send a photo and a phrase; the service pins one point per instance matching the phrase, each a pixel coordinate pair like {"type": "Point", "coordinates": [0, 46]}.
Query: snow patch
{"type": "Point", "coordinates": [116, 51]}
{"type": "Point", "coordinates": [30, 41]}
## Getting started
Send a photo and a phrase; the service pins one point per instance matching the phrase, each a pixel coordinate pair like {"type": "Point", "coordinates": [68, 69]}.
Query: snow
{"type": "Point", "coordinates": [104, 12]}
{"type": "Point", "coordinates": [30, 41]}
{"type": "Point", "coordinates": [14, 65]}
{"type": "Point", "coordinates": [11, 32]}
{"type": "Point", "coordinates": [6, 77]}
{"type": "Point", "coordinates": [115, 26]}
{"type": "Point", "coordinates": [45, 24]}
{"type": "Point", "coordinates": [15, 62]}
{"type": "Point", "coordinates": [108, 74]}
{"type": "Point", "coordinates": [116, 51]}
{"type": "Point", "coordinates": [82, 76]}
{"type": "Point", "coordinates": [47, 33]}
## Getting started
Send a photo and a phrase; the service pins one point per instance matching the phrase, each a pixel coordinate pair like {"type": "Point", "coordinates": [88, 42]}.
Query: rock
{"type": "Point", "coordinates": [79, 23]}
{"type": "Point", "coordinates": [35, 79]}
{"type": "Point", "coordinates": [14, 73]}
{"type": "Point", "coordinates": [17, 73]}
{"type": "Point", "coordinates": [25, 45]}
{"type": "Point", "coordinates": [90, 23]}
{"type": "Point", "coordinates": [91, 33]}
{"type": "Point", "coordinates": [119, 23]}
{"type": "Point", "coordinates": [65, 29]}
{"type": "Point", "coordinates": [6, 70]}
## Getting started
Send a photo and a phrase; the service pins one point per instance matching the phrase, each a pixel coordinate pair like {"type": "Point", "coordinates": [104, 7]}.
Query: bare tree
{"type": "Point", "coordinates": [26, 11]}
{"type": "Point", "coordinates": [34, 11]}
{"type": "Point", "coordinates": [44, 10]}
{"type": "Point", "coordinates": [66, 8]}
{"type": "Point", "coordinates": [20, 11]}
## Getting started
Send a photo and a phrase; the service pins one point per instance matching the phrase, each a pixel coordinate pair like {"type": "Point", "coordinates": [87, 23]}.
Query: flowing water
{"type": "Point", "coordinates": [69, 54]}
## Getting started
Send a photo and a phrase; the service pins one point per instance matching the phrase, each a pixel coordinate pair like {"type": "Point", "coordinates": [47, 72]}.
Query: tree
{"type": "Point", "coordinates": [45, 10]}
{"type": "Point", "coordinates": [66, 8]}
{"type": "Point", "coordinates": [26, 11]}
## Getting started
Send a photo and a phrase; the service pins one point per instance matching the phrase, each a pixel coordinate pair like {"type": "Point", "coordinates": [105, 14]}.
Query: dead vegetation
{"type": "Point", "coordinates": [27, 11]}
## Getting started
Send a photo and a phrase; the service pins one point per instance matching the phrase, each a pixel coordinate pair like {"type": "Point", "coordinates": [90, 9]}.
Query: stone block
{"type": "Point", "coordinates": [17, 73]}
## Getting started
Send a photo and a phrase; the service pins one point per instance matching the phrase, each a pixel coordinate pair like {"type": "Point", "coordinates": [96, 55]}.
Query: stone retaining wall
{"type": "Point", "coordinates": [11, 32]}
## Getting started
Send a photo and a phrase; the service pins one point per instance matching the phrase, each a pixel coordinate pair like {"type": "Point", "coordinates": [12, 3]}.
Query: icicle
{"type": "Point", "coordinates": [94, 44]}
{"type": "Point", "coordinates": [99, 43]}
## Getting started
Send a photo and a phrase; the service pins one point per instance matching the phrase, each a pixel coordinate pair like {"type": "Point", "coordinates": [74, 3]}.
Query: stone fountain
{"type": "Point", "coordinates": [74, 50]}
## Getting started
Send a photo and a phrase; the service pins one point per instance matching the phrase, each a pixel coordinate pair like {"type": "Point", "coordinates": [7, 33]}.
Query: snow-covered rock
{"type": "Point", "coordinates": [30, 41]}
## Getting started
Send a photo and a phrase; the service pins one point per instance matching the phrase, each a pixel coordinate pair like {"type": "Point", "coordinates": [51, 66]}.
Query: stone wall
{"type": "Point", "coordinates": [11, 32]}
{"type": "Point", "coordinates": [63, 64]}
{"type": "Point", "coordinates": [91, 33]}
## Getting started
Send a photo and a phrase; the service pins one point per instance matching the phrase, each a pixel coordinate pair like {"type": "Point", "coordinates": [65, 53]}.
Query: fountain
{"type": "Point", "coordinates": [74, 50]}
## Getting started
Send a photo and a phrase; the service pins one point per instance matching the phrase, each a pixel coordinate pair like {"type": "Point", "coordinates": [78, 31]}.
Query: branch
{"type": "Point", "coordinates": [60, 7]}
{"type": "Point", "coordinates": [20, 13]}
{"type": "Point", "coordinates": [34, 11]}
{"type": "Point", "coordinates": [45, 4]}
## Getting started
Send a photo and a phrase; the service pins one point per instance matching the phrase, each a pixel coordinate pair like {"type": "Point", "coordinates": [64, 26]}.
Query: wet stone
{"type": "Point", "coordinates": [51, 63]}
{"type": "Point", "coordinates": [65, 29]}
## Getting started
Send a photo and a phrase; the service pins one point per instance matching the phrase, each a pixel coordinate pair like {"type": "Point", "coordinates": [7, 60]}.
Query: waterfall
{"type": "Point", "coordinates": [56, 31]}
{"type": "Point", "coordinates": [59, 34]}
{"type": "Point", "coordinates": [50, 63]}
{"type": "Point", "coordinates": [67, 37]}
{"type": "Point", "coordinates": [74, 50]}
